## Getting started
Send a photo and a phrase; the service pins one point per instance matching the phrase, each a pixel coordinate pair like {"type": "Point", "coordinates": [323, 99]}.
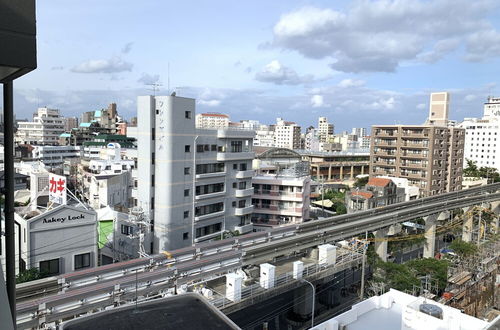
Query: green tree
{"type": "Point", "coordinates": [463, 249]}
{"type": "Point", "coordinates": [361, 182]}
{"type": "Point", "coordinates": [30, 275]}
{"type": "Point", "coordinates": [471, 169]}
{"type": "Point", "coordinates": [437, 269]}
{"type": "Point", "coordinates": [339, 208]}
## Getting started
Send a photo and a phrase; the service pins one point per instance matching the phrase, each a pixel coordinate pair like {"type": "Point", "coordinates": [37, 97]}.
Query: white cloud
{"type": "Point", "coordinates": [470, 97]}
{"type": "Point", "coordinates": [317, 101]}
{"type": "Point", "coordinates": [112, 65]}
{"type": "Point", "coordinates": [421, 106]}
{"type": "Point", "coordinates": [148, 79]}
{"type": "Point", "coordinates": [209, 103]}
{"type": "Point", "coordinates": [279, 74]}
{"type": "Point", "coordinates": [379, 35]}
{"type": "Point", "coordinates": [351, 83]}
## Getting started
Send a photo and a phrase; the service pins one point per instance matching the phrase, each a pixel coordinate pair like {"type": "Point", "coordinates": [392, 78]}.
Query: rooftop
{"type": "Point", "coordinates": [378, 182]}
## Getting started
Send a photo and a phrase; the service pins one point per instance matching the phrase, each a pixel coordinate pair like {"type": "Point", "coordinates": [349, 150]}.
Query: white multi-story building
{"type": "Point", "coordinates": [264, 136]}
{"type": "Point", "coordinates": [325, 129]}
{"type": "Point", "coordinates": [311, 140]}
{"type": "Point", "coordinates": [194, 184]}
{"type": "Point", "coordinates": [54, 156]}
{"type": "Point", "coordinates": [482, 136]}
{"type": "Point", "coordinates": [359, 131]}
{"type": "Point", "coordinates": [212, 120]}
{"type": "Point", "coordinates": [249, 124]}
{"type": "Point", "coordinates": [45, 128]}
{"type": "Point", "coordinates": [282, 188]}
{"type": "Point", "coordinates": [287, 134]}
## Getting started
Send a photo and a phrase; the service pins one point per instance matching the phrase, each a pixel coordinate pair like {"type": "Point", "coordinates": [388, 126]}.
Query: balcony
{"type": "Point", "coordinates": [386, 133]}
{"type": "Point", "coordinates": [244, 192]}
{"type": "Point", "coordinates": [228, 156]}
{"type": "Point", "coordinates": [243, 210]}
{"type": "Point", "coordinates": [245, 174]}
{"type": "Point", "coordinates": [209, 216]}
{"type": "Point", "coordinates": [211, 195]}
{"type": "Point", "coordinates": [278, 195]}
{"type": "Point", "coordinates": [210, 175]}
{"type": "Point", "coordinates": [277, 210]}
{"type": "Point", "coordinates": [244, 229]}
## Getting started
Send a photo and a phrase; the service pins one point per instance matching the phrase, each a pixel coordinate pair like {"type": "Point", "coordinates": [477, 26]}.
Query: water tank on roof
{"type": "Point", "coordinates": [432, 310]}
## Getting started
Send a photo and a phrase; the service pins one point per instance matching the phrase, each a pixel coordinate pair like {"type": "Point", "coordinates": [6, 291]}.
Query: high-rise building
{"type": "Point", "coordinates": [191, 182]}
{"type": "Point", "coordinates": [45, 128]}
{"type": "Point", "coordinates": [482, 136]}
{"type": "Point", "coordinates": [287, 134]}
{"type": "Point", "coordinates": [325, 129]}
{"type": "Point", "coordinates": [212, 120]}
{"type": "Point", "coordinates": [265, 136]}
{"type": "Point", "coordinates": [430, 157]}
{"type": "Point", "coordinates": [439, 108]}
{"type": "Point", "coordinates": [359, 131]}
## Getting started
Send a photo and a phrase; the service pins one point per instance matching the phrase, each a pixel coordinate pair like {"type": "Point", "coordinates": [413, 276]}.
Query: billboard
{"type": "Point", "coordinates": [57, 189]}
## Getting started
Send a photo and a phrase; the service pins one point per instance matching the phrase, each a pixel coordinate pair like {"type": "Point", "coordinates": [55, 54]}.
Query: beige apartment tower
{"type": "Point", "coordinates": [430, 157]}
{"type": "Point", "coordinates": [439, 107]}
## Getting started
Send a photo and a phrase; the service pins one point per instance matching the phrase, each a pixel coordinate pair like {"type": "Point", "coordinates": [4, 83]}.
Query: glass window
{"type": "Point", "coordinates": [82, 261]}
{"type": "Point", "coordinates": [49, 267]}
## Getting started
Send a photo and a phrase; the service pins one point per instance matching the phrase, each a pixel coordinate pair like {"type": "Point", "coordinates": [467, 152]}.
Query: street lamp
{"type": "Point", "coordinates": [313, 298]}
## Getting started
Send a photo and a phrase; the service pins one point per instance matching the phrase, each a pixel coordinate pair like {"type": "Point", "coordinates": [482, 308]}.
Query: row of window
{"type": "Point", "coordinates": [52, 267]}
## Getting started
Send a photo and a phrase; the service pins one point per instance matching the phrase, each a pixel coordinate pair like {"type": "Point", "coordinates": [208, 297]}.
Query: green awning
{"type": "Point", "coordinates": [105, 230]}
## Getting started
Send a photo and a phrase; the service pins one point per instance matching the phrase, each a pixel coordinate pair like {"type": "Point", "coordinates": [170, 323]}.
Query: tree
{"type": "Point", "coordinates": [437, 269]}
{"type": "Point", "coordinates": [463, 249]}
{"type": "Point", "coordinates": [471, 169]}
{"type": "Point", "coordinates": [361, 182]}
{"type": "Point", "coordinates": [339, 208]}
{"type": "Point", "coordinates": [481, 172]}
{"type": "Point", "coordinates": [30, 275]}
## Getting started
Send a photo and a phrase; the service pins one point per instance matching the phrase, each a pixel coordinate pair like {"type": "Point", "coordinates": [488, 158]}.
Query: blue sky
{"type": "Point", "coordinates": [357, 62]}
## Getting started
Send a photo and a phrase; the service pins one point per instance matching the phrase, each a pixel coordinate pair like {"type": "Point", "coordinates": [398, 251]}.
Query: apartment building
{"type": "Point", "coordinates": [430, 157]}
{"type": "Point", "coordinates": [377, 192]}
{"type": "Point", "coordinates": [287, 134]}
{"type": "Point", "coordinates": [193, 184]}
{"type": "Point", "coordinates": [482, 136]}
{"type": "Point", "coordinates": [70, 123]}
{"type": "Point", "coordinates": [265, 136]}
{"type": "Point", "coordinates": [45, 128]}
{"type": "Point", "coordinates": [325, 129]}
{"type": "Point", "coordinates": [54, 156]}
{"type": "Point", "coordinates": [212, 120]}
{"type": "Point", "coordinates": [282, 187]}
{"type": "Point", "coordinates": [338, 166]}
{"type": "Point", "coordinates": [359, 131]}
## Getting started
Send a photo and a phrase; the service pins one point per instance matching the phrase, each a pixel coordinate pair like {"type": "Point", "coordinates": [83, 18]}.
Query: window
{"type": "Point", "coordinates": [234, 185]}
{"type": "Point", "coordinates": [187, 114]}
{"type": "Point", "coordinates": [186, 192]}
{"type": "Point", "coordinates": [242, 185]}
{"type": "Point", "coordinates": [186, 170]}
{"type": "Point", "coordinates": [152, 180]}
{"type": "Point", "coordinates": [235, 166]}
{"type": "Point", "coordinates": [152, 133]}
{"type": "Point", "coordinates": [186, 214]}
{"type": "Point", "coordinates": [214, 147]}
{"type": "Point", "coordinates": [49, 267]}
{"type": "Point", "coordinates": [152, 203]}
{"type": "Point", "coordinates": [243, 167]}
{"type": "Point", "coordinates": [127, 230]}
{"type": "Point", "coordinates": [236, 146]}
{"type": "Point", "coordinates": [187, 148]}
{"type": "Point", "coordinates": [199, 148]}
{"type": "Point", "coordinates": [242, 203]}
{"type": "Point", "coordinates": [153, 158]}
{"type": "Point", "coordinates": [82, 261]}
{"type": "Point", "coordinates": [208, 209]}
{"type": "Point", "coordinates": [233, 204]}
{"type": "Point", "coordinates": [185, 236]}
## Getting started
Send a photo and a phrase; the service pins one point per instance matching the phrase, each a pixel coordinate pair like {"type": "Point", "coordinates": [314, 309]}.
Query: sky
{"type": "Point", "coordinates": [359, 63]}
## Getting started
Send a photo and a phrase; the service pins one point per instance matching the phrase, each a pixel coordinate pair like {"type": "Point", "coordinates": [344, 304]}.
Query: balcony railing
{"type": "Point", "coordinates": [243, 210]}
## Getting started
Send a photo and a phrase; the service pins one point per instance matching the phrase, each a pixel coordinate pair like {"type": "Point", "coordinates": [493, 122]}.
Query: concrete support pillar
{"type": "Point", "coordinates": [430, 235]}
{"type": "Point", "coordinates": [329, 172]}
{"type": "Point", "coordinates": [298, 269]}
{"type": "Point", "coordinates": [352, 172]}
{"type": "Point", "coordinates": [341, 173]}
{"type": "Point", "coordinates": [362, 169]}
{"type": "Point", "coordinates": [468, 226]}
{"type": "Point", "coordinates": [381, 243]}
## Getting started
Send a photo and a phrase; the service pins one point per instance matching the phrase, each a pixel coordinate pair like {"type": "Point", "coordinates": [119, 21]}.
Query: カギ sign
{"type": "Point", "coordinates": [57, 189]}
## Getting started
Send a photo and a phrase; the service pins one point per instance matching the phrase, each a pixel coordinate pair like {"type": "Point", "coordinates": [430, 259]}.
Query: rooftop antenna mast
{"type": "Point", "coordinates": [155, 87]}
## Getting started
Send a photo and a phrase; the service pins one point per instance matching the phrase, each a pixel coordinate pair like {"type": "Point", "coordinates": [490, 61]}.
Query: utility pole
{"type": "Point", "coordinates": [363, 263]}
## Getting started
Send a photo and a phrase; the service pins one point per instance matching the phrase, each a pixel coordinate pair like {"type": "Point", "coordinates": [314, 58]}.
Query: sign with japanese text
{"type": "Point", "coordinates": [57, 189]}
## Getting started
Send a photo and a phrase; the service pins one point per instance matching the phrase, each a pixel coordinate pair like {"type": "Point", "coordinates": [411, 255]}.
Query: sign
{"type": "Point", "coordinates": [57, 189]}
{"type": "Point", "coordinates": [62, 220]}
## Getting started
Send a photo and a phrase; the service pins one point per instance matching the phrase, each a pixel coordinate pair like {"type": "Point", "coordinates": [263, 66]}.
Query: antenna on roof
{"type": "Point", "coordinates": [155, 87]}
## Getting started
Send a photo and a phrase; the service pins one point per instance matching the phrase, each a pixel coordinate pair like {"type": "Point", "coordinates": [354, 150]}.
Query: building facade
{"type": "Point", "coordinates": [282, 188]}
{"type": "Point", "coordinates": [482, 136]}
{"type": "Point", "coordinates": [336, 166]}
{"type": "Point", "coordinates": [287, 134]}
{"type": "Point", "coordinates": [325, 129]}
{"type": "Point", "coordinates": [193, 184]}
{"type": "Point", "coordinates": [378, 192]}
{"type": "Point", "coordinates": [54, 156]}
{"type": "Point", "coordinates": [45, 128]}
{"type": "Point", "coordinates": [212, 120]}
{"type": "Point", "coordinates": [430, 157]}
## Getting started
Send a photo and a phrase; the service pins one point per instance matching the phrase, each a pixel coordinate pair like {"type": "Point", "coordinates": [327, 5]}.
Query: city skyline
{"type": "Point", "coordinates": [275, 60]}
